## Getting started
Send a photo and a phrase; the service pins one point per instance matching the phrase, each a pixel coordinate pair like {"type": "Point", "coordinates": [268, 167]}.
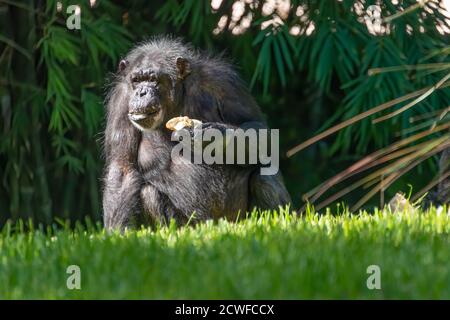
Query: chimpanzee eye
{"type": "Point", "coordinates": [144, 76]}
{"type": "Point", "coordinates": [150, 76]}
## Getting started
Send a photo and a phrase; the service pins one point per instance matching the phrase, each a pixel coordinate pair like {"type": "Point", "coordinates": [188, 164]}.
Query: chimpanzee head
{"type": "Point", "coordinates": [152, 89]}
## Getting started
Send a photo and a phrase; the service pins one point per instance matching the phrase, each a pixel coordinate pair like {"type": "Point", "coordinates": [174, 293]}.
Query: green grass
{"type": "Point", "coordinates": [267, 257]}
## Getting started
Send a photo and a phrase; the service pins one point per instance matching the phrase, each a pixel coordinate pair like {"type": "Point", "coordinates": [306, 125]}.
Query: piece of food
{"type": "Point", "coordinates": [179, 123]}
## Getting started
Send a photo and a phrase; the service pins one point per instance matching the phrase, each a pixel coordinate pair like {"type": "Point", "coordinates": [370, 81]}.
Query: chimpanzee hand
{"type": "Point", "coordinates": [202, 135]}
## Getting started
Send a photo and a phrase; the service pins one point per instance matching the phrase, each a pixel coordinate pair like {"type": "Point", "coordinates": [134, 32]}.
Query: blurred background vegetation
{"type": "Point", "coordinates": [307, 62]}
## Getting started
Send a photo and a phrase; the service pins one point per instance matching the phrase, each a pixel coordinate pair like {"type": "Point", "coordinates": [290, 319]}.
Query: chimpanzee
{"type": "Point", "coordinates": [158, 80]}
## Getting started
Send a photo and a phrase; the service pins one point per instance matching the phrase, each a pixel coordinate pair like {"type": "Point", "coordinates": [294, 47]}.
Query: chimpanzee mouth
{"type": "Point", "coordinates": [149, 119]}
{"type": "Point", "coordinates": [142, 116]}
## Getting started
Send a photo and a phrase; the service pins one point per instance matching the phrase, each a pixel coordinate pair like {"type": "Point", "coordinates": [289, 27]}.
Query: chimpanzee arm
{"type": "Point", "coordinates": [267, 192]}
{"type": "Point", "coordinates": [241, 146]}
{"type": "Point", "coordinates": [121, 198]}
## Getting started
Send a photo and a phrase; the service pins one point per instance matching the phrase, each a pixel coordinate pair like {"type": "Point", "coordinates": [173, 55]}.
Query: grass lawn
{"type": "Point", "coordinates": [267, 257]}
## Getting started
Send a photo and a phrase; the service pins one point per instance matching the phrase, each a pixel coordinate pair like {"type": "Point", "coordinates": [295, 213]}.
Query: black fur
{"type": "Point", "coordinates": [142, 182]}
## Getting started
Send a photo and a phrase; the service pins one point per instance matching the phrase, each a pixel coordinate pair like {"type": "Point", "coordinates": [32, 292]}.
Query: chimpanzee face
{"type": "Point", "coordinates": [151, 97]}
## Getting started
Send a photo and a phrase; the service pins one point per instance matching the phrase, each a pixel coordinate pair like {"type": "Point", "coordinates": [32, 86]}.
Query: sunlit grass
{"type": "Point", "coordinates": [268, 256]}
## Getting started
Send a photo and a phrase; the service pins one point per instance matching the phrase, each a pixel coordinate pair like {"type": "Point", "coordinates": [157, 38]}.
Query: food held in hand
{"type": "Point", "coordinates": [179, 123]}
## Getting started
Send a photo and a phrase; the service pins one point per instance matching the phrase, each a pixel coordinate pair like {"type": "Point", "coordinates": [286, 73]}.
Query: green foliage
{"type": "Point", "coordinates": [64, 114]}
{"type": "Point", "coordinates": [267, 256]}
{"type": "Point", "coordinates": [278, 48]}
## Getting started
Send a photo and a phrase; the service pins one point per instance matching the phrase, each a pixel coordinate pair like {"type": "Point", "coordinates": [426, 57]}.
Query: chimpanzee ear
{"type": "Point", "coordinates": [122, 65]}
{"type": "Point", "coordinates": [183, 67]}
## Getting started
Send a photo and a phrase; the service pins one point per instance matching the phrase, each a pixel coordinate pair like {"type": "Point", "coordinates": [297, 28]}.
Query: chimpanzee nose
{"type": "Point", "coordinates": [142, 91]}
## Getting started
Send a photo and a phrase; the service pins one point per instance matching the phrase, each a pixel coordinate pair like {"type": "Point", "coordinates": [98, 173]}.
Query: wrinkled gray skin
{"type": "Point", "coordinates": [157, 81]}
